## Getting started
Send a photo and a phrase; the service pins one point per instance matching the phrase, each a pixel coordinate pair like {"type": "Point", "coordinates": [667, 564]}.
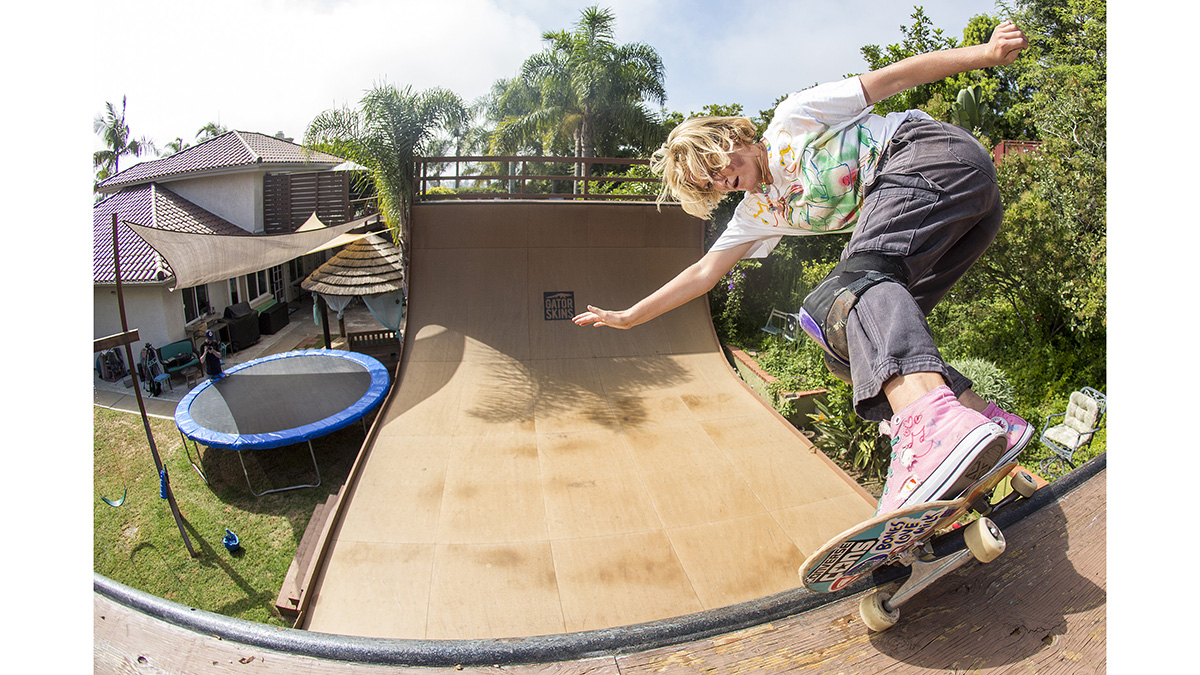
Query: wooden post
{"type": "Point", "coordinates": [324, 320]}
{"type": "Point", "coordinates": [164, 477]}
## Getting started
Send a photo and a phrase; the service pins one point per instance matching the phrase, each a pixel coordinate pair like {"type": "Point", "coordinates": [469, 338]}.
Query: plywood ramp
{"type": "Point", "coordinates": [532, 477]}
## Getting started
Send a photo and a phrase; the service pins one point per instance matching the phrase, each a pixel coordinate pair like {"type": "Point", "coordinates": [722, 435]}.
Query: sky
{"type": "Point", "coordinates": [270, 65]}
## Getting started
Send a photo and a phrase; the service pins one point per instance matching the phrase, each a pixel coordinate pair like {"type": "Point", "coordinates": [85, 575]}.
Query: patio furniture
{"type": "Point", "coordinates": [1078, 426]}
{"type": "Point", "coordinates": [153, 374]}
{"type": "Point", "coordinates": [242, 324]}
{"type": "Point", "coordinates": [272, 317]}
{"type": "Point", "coordinates": [177, 357]}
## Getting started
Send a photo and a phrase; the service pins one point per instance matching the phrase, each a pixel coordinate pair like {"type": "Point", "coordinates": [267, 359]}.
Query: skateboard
{"type": "Point", "coordinates": [902, 538]}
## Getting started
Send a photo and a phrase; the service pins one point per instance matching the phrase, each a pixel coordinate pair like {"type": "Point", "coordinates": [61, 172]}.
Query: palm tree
{"type": "Point", "coordinates": [174, 147]}
{"type": "Point", "coordinates": [210, 131]}
{"type": "Point", "coordinates": [589, 89]}
{"type": "Point", "coordinates": [111, 126]}
{"type": "Point", "coordinates": [387, 132]}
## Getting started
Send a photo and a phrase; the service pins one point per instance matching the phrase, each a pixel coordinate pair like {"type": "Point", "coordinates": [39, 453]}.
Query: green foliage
{"type": "Point", "coordinates": [968, 111]}
{"type": "Point", "coordinates": [796, 366]}
{"type": "Point", "coordinates": [731, 291]}
{"type": "Point", "coordinates": [441, 192]}
{"type": "Point", "coordinates": [388, 130]}
{"type": "Point", "coordinates": [779, 281]}
{"type": "Point", "coordinates": [846, 437]}
{"type": "Point", "coordinates": [118, 141]}
{"type": "Point", "coordinates": [919, 38]}
{"type": "Point", "coordinates": [987, 380]}
{"type": "Point", "coordinates": [582, 95]}
{"type": "Point", "coordinates": [1028, 322]}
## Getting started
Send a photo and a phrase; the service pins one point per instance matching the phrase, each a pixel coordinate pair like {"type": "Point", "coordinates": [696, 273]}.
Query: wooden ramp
{"type": "Point", "coordinates": [530, 477]}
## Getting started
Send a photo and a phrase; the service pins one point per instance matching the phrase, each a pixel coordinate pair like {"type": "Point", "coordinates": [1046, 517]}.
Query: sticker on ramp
{"type": "Point", "coordinates": [559, 305]}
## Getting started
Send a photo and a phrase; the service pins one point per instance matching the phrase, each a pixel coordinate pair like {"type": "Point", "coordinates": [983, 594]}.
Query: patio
{"type": "Point", "coordinates": [300, 333]}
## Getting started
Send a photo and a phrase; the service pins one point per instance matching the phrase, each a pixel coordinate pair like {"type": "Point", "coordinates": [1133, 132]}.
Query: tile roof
{"type": "Point", "coordinates": [229, 151]}
{"type": "Point", "coordinates": [154, 206]}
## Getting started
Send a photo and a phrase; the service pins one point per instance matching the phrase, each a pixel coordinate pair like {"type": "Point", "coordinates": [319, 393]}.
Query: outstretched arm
{"type": "Point", "coordinates": [1006, 43]}
{"type": "Point", "coordinates": [689, 284]}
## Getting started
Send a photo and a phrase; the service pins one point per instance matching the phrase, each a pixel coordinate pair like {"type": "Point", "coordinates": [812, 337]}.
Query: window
{"type": "Point", "coordinates": [195, 303]}
{"type": "Point", "coordinates": [233, 292]}
{"type": "Point", "coordinates": [256, 285]}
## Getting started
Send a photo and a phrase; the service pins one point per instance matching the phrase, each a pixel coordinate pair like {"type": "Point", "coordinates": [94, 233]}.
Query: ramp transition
{"type": "Point", "coordinates": [531, 477]}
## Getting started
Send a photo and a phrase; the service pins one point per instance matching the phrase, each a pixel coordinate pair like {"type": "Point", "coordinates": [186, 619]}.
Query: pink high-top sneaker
{"type": "Point", "coordinates": [936, 443]}
{"type": "Point", "coordinates": [1016, 430]}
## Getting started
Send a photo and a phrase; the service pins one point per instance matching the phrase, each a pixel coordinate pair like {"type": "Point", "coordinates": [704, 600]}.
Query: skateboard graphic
{"type": "Point", "coordinates": [903, 537]}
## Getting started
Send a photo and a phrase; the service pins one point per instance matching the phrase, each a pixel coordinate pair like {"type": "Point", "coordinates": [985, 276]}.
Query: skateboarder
{"type": "Point", "coordinates": [921, 199]}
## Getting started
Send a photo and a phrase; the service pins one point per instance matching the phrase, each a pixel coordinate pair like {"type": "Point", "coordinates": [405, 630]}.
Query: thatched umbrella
{"type": "Point", "coordinates": [370, 266]}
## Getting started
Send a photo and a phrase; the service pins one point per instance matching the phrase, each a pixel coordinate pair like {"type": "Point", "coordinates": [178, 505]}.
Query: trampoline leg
{"type": "Point", "coordinates": [312, 453]}
{"type": "Point", "coordinates": [199, 458]}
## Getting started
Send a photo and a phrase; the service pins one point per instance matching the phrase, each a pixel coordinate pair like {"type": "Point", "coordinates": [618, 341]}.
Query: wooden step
{"type": "Point", "coordinates": [289, 593]}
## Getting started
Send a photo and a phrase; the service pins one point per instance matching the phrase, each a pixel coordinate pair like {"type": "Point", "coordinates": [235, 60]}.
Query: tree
{"type": "Point", "coordinates": [918, 39]}
{"type": "Point", "coordinates": [991, 93]}
{"type": "Point", "coordinates": [112, 127]}
{"type": "Point", "coordinates": [1049, 259]}
{"type": "Point", "coordinates": [176, 146]}
{"type": "Point", "coordinates": [583, 93]}
{"type": "Point", "coordinates": [210, 131]}
{"type": "Point", "coordinates": [385, 134]}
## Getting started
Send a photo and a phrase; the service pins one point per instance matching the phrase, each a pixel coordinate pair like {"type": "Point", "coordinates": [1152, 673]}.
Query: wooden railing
{"type": "Point", "coordinates": [524, 170]}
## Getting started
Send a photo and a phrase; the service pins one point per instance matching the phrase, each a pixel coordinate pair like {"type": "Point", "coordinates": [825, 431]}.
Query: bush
{"type": "Point", "coordinates": [796, 366]}
{"type": "Point", "coordinates": [988, 381]}
{"type": "Point", "coordinates": [848, 438]}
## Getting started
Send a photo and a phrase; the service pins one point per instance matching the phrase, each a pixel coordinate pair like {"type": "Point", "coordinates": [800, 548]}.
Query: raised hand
{"type": "Point", "coordinates": [1006, 43]}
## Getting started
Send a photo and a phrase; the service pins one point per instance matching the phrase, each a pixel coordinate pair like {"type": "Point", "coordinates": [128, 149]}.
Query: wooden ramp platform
{"type": "Point", "coordinates": [1039, 608]}
{"type": "Point", "coordinates": [531, 477]}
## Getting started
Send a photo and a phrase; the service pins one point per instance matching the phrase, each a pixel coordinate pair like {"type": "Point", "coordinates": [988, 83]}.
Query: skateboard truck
{"type": "Point", "coordinates": [880, 610]}
{"type": "Point", "coordinates": [984, 542]}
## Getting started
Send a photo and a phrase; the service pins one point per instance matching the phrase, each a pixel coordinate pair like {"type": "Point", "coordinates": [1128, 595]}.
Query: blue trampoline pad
{"type": "Point", "coordinates": [282, 399]}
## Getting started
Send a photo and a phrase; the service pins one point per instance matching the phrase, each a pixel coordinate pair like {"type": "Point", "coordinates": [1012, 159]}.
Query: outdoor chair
{"type": "Point", "coordinates": [1075, 431]}
{"type": "Point", "coordinates": [155, 374]}
{"type": "Point", "coordinates": [789, 324]}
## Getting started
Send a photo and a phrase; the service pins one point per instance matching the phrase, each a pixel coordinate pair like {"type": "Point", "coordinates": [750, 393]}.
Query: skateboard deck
{"type": "Point", "coordinates": [890, 537]}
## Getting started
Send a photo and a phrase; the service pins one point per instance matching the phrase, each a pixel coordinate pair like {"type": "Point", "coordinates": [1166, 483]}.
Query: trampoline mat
{"type": "Point", "coordinates": [282, 399]}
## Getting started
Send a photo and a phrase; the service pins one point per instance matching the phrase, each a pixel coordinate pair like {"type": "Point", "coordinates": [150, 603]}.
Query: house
{"type": "Point", "coordinates": [239, 184]}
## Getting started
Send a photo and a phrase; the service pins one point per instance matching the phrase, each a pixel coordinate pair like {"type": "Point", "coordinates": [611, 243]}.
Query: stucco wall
{"type": "Point", "coordinates": [155, 312]}
{"type": "Point", "coordinates": [237, 198]}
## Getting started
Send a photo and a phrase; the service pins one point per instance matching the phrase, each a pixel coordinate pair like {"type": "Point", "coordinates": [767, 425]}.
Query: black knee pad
{"type": "Point", "coordinates": [827, 308]}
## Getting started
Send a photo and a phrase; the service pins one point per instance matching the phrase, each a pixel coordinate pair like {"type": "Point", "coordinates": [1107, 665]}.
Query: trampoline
{"type": "Point", "coordinates": [281, 400]}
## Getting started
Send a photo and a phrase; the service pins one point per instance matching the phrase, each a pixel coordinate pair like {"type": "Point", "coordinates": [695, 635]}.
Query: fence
{"type": "Point", "coordinates": [518, 173]}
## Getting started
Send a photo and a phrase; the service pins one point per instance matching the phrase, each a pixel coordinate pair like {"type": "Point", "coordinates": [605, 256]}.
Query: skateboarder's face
{"type": "Point", "coordinates": [742, 173]}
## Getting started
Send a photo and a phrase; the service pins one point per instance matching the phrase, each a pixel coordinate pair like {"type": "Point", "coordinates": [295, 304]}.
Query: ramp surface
{"type": "Point", "coordinates": [531, 477]}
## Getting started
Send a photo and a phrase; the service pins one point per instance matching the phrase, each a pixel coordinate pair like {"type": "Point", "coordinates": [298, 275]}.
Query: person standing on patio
{"type": "Point", "coordinates": [210, 354]}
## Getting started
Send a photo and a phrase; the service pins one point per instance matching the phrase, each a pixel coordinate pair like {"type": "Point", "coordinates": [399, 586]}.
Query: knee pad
{"type": "Point", "coordinates": [825, 310]}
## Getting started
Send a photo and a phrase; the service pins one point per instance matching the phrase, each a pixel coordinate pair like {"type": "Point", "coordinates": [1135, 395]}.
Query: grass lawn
{"type": "Point", "coordinates": [139, 544]}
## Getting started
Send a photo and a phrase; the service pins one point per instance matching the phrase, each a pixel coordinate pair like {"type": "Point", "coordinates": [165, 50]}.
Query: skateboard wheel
{"type": "Point", "coordinates": [984, 540]}
{"type": "Point", "coordinates": [1024, 484]}
{"type": "Point", "coordinates": [875, 614]}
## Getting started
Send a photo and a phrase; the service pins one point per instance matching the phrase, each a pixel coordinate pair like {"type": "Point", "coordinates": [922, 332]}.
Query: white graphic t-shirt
{"type": "Point", "coordinates": [823, 146]}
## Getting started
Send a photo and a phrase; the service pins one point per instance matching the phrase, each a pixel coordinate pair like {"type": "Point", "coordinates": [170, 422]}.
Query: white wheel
{"type": "Point", "coordinates": [1024, 484]}
{"type": "Point", "coordinates": [874, 614]}
{"type": "Point", "coordinates": [984, 540]}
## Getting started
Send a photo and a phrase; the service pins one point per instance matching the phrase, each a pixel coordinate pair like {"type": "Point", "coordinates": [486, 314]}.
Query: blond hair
{"type": "Point", "coordinates": [695, 151]}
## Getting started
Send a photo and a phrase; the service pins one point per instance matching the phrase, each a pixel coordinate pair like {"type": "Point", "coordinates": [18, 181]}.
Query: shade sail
{"type": "Point", "coordinates": [199, 259]}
